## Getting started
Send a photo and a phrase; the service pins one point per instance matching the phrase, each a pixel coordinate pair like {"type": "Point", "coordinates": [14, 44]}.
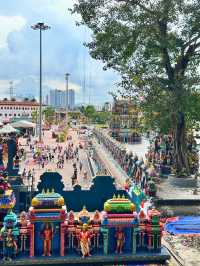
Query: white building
{"type": "Point", "coordinates": [17, 109]}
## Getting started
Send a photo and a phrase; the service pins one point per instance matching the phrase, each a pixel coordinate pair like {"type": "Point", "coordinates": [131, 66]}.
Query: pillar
{"type": "Point", "coordinates": [134, 245]}
{"type": "Point", "coordinates": [105, 240]}
{"type": "Point", "coordinates": [136, 232]}
{"type": "Point", "coordinates": [62, 239]}
{"type": "Point", "coordinates": [150, 241]}
{"type": "Point", "coordinates": [32, 244]}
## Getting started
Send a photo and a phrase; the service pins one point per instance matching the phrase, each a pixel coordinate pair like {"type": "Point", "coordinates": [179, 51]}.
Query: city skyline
{"type": "Point", "coordinates": [63, 51]}
{"type": "Point", "coordinates": [58, 98]}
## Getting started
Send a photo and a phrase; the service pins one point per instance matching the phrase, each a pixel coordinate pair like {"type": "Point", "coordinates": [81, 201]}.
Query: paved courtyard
{"type": "Point", "coordinates": [67, 171]}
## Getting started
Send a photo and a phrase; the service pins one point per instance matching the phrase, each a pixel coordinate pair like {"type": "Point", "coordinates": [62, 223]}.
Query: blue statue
{"type": "Point", "coordinates": [8, 234]}
{"type": "Point", "coordinates": [137, 196]}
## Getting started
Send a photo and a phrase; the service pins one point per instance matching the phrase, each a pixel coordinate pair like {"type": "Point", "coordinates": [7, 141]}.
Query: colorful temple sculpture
{"type": "Point", "coordinates": [124, 123]}
{"type": "Point", "coordinates": [7, 197]}
{"type": "Point", "coordinates": [137, 196]}
{"type": "Point", "coordinates": [119, 226]}
{"type": "Point", "coordinates": [47, 215]}
{"type": "Point", "coordinates": [9, 158]}
{"type": "Point", "coordinates": [125, 230]}
{"type": "Point", "coordinates": [9, 235]}
{"type": "Point", "coordinates": [49, 230]}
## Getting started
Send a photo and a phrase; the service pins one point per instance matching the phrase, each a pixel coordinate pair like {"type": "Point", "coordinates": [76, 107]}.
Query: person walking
{"type": "Point", "coordinates": [80, 166]}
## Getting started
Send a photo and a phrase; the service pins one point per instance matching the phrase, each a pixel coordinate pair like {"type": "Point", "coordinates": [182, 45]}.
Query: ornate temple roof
{"type": "Point", "coordinates": [119, 205]}
{"type": "Point", "coordinates": [48, 199]}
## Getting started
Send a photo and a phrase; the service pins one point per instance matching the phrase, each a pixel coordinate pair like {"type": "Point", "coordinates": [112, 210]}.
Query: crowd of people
{"type": "Point", "coordinates": [57, 155]}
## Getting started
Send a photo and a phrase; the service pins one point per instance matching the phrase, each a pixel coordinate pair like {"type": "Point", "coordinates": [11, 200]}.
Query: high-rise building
{"type": "Point", "coordinates": [58, 98]}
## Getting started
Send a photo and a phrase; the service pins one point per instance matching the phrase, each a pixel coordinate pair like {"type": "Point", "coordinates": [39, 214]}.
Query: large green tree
{"type": "Point", "coordinates": [154, 44]}
{"type": "Point", "coordinates": [49, 113]}
{"type": "Point", "coordinates": [89, 111]}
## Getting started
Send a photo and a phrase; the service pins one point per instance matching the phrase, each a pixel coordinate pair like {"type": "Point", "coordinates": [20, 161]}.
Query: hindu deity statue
{"type": "Point", "coordinates": [137, 196]}
{"type": "Point", "coordinates": [16, 161]}
{"type": "Point", "coordinates": [84, 216]}
{"type": "Point", "coordinates": [71, 217]}
{"type": "Point", "coordinates": [120, 240]}
{"type": "Point", "coordinates": [23, 230]}
{"type": "Point", "coordinates": [47, 235]}
{"type": "Point", "coordinates": [4, 185]}
{"type": "Point", "coordinates": [96, 217]}
{"type": "Point", "coordinates": [10, 246]}
{"type": "Point", "coordinates": [84, 238]}
{"type": "Point", "coordinates": [9, 233]}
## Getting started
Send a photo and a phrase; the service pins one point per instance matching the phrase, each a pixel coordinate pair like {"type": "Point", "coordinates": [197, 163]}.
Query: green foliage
{"type": "Point", "coordinates": [34, 116]}
{"type": "Point", "coordinates": [96, 117]}
{"type": "Point", "coordinates": [101, 117]}
{"type": "Point", "coordinates": [140, 40]}
{"type": "Point", "coordinates": [155, 46]}
{"type": "Point", "coordinates": [89, 111]}
{"type": "Point", "coordinates": [49, 114]}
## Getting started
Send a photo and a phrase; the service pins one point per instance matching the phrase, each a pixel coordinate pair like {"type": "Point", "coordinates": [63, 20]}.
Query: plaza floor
{"type": "Point", "coordinates": [65, 172]}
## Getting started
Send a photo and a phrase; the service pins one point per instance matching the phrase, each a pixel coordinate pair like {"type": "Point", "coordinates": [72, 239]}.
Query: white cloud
{"type": "Point", "coordinates": [61, 85]}
{"type": "Point", "coordinates": [8, 25]}
{"type": "Point", "coordinates": [4, 87]}
{"type": "Point", "coordinates": [62, 51]}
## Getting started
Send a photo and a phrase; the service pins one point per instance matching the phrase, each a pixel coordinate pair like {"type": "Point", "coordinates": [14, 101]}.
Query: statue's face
{"type": "Point", "coordinates": [9, 223]}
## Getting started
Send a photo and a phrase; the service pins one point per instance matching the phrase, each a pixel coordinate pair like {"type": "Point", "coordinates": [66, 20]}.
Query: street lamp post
{"type": "Point", "coordinates": [67, 96]}
{"type": "Point", "coordinates": [41, 27]}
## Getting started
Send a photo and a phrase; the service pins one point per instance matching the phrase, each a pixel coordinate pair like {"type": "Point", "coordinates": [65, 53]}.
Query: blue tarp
{"type": "Point", "coordinates": [184, 225]}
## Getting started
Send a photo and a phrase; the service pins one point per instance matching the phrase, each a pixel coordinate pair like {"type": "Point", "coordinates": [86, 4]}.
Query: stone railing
{"type": "Point", "coordinates": [139, 171]}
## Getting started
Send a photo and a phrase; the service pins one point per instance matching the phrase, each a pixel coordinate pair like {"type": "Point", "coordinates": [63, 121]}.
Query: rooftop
{"type": "Point", "coordinates": [16, 102]}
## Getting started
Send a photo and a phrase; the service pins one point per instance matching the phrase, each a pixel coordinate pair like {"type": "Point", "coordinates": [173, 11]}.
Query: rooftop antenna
{"type": "Point", "coordinates": [11, 89]}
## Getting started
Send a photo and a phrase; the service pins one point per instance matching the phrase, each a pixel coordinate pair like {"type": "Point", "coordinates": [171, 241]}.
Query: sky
{"type": "Point", "coordinates": [63, 51]}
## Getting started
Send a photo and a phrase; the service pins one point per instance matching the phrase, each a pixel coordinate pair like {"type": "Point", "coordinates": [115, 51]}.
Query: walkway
{"type": "Point", "coordinates": [111, 165]}
{"type": "Point", "coordinates": [65, 172]}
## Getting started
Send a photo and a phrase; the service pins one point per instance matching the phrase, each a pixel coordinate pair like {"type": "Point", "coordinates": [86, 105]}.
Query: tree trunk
{"type": "Point", "coordinates": [180, 147]}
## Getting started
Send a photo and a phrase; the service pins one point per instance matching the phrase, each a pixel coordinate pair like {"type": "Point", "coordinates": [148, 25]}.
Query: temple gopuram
{"type": "Point", "coordinates": [124, 122]}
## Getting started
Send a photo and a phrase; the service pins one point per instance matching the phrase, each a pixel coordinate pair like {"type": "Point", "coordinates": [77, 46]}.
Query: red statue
{"type": "Point", "coordinates": [84, 238]}
{"type": "Point", "coordinates": [97, 217]}
{"type": "Point", "coordinates": [120, 240]}
{"type": "Point", "coordinates": [48, 236]}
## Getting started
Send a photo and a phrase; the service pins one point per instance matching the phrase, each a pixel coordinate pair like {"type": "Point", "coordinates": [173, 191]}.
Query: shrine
{"type": "Point", "coordinates": [46, 216]}
{"type": "Point", "coordinates": [124, 122]}
{"type": "Point", "coordinates": [48, 230]}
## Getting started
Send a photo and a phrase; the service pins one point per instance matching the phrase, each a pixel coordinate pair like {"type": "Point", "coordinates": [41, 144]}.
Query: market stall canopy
{"type": "Point", "coordinates": [23, 124]}
{"type": "Point", "coordinates": [8, 129]}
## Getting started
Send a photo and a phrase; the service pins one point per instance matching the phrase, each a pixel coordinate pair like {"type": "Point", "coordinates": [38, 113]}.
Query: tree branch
{"type": "Point", "coordinates": [136, 2]}
{"type": "Point", "coordinates": [184, 59]}
{"type": "Point", "coordinates": [163, 42]}
{"type": "Point", "coordinates": [194, 39]}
